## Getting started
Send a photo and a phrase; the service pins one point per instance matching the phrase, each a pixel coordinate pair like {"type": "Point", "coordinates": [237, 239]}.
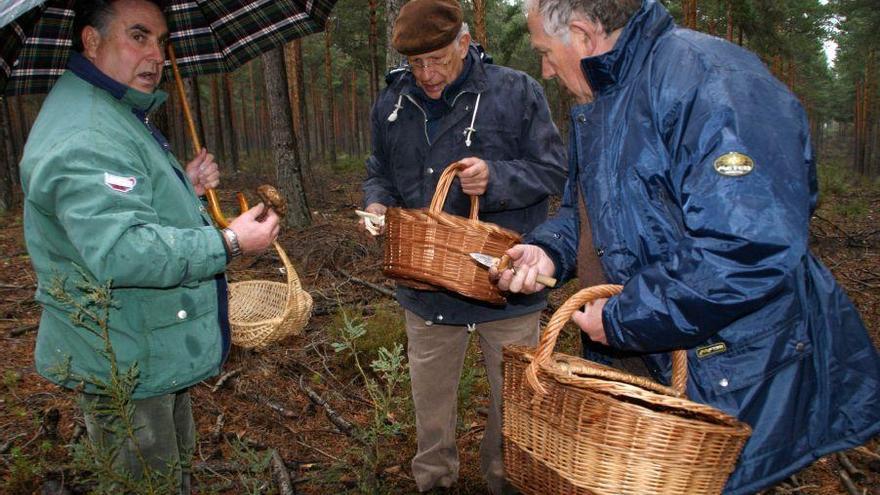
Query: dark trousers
{"type": "Point", "coordinates": [164, 436]}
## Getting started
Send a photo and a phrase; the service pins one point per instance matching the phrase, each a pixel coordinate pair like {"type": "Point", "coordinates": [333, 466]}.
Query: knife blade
{"type": "Point", "coordinates": [490, 261]}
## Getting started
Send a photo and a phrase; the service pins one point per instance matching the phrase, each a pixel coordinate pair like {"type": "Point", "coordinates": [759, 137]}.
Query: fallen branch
{"type": "Point", "coordinates": [854, 473]}
{"type": "Point", "coordinates": [332, 415]}
{"type": "Point", "coordinates": [851, 487]}
{"type": "Point", "coordinates": [13, 286]}
{"type": "Point", "coordinates": [218, 428]}
{"type": "Point", "coordinates": [287, 413]}
{"type": "Point", "coordinates": [18, 332]}
{"type": "Point", "coordinates": [223, 378]}
{"type": "Point", "coordinates": [378, 288]}
{"type": "Point", "coordinates": [868, 452]}
{"type": "Point", "coordinates": [5, 445]}
{"type": "Point", "coordinates": [282, 476]}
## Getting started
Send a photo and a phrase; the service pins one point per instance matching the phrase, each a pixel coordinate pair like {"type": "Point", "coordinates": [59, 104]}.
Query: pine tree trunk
{"type": "Point", "coordinates": [255, 123]}
{"type": "Point", "coordinates": [303, 110]}
{"type": "Point", "coordinates": [392, 9]}
{"type": "Point", "coordinates": [229, 126]}
{"type": "Point", "coordinates": [480, 23]}
{"type": "Point", "coordinates": [288, 170]}
{"type": "Point", "coordinates": [328, 78]}
{"type": "Point", "coordinates": [12, 146]}
{"type": "Point", "coordinates": [8, 164]}
{"type": "Point", "coordinates": [374, 49]}
{"type": "Point", "coordinates": [24, 126]}
{"type": "Point", "coordinates": [193, 94]}
{"type": "Point", "coordinates": [730, 21]}
{"type": "Point", "coordinates": [219, 147]}
{"type": "Point", "coordinates": [355, 114]}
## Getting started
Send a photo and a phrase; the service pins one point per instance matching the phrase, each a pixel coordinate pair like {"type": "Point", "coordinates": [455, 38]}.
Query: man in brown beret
{"type": "Point", "coordinates": [450, 104]}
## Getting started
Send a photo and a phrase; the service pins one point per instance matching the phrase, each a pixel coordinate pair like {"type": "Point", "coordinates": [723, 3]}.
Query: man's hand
{"type": "Point", "coordinates": [255, 237]}
{"type": "Point", "coordinates": [203, 172]}
{"type": "Point", "coordinates": [528, 261]}
{"type": "Point", "coordinates": [475, 178]}
{"type": "Point", "coordinates": [376, 209]}
{"type": "Point", "coordinates": [590, 321]}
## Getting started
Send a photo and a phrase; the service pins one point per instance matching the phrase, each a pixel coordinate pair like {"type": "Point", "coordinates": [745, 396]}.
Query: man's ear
{"type": "Point", "coordinates": [463, 44]}
{"type": "Point", "coordinates": [585, 36]}
{"type": "Point", "coordinates": [91, 39]}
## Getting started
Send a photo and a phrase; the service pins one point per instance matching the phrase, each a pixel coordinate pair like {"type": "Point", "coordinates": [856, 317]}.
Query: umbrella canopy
{"type": "Point", "coordinates": [209, 36]}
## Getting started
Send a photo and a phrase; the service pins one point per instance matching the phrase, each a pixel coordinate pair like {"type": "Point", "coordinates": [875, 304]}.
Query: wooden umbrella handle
{"type": "Point", "coordinates": [213, 201]}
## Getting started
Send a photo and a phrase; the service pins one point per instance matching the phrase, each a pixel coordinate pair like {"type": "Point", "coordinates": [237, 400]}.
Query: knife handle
{"type": "Point", "coordinates": [545, 280]}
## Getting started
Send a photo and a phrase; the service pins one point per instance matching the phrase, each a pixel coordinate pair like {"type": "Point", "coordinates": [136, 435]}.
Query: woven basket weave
{"type": "Point", "coordinates": [572, 426]}
{"type": "Point", "coordinates": [428, 248]}
{"type": "Point", "coordinates": [262, 311]}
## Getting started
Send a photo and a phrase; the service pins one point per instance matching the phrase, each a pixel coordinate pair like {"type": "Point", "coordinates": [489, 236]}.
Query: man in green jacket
{"type": "Point", "coordinates": [104, 195]}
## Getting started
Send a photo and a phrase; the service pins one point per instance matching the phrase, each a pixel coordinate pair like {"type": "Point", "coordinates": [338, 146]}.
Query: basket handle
{"type": "Point", "coordinates": [292, 277]}
{"type": "Point", "coordinates": [544, 354]}
{"type": "Point", "coordinates": [443, 185]}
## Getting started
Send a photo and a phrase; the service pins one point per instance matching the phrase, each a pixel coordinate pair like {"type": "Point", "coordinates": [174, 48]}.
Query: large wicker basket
{"type": "Point", "coordinates": [575, 427]}
{"type": "Point", "coordinates": [263, 311]}
{"type": "Point", "coordinates": [428, 248]}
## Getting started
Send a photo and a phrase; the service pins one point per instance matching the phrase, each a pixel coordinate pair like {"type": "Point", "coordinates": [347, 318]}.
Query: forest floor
{"type": "Point", "coordinates": [264, 403]}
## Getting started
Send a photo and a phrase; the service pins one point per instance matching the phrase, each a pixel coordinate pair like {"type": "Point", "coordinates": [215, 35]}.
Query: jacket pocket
{"type": "Point", "coordinates": [751, 361]}
{"type": "Point", "coordinates": [184, 339]}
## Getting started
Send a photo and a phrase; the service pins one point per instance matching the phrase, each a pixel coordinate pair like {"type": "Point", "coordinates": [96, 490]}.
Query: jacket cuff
{"type": "Point", "coordinates": [554, 255]}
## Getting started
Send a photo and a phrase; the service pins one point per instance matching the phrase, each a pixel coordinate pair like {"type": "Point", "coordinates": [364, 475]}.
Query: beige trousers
{"type": "Point", "coordinates": [436, 355]}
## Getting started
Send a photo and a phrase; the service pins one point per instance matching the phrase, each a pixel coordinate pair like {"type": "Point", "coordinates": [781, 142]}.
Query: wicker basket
{"type": "Point", "coordinates": [575, 427]}
{"type": "Point", "coordinates": [262, 311]}
{"type": "Point", "coordinates": [428, 248]}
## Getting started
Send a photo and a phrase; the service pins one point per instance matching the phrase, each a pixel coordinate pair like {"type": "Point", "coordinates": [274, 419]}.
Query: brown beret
{"type": "Point", "coordinates": [426, 25]}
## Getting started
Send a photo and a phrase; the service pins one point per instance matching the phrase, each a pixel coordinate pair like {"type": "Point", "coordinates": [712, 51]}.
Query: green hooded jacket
{"type": "Point", "coordinates": [103, 194]}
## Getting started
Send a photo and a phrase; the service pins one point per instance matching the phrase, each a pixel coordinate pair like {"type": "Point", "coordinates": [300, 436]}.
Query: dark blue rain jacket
{"type": "Point", "coordinates": [514, 134]}
{"type": "Point", "coordinates": [711, 261]}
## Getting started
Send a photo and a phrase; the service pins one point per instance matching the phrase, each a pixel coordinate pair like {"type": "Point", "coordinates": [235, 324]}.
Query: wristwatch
{"type": "Point", "coordinates": [232, 246]}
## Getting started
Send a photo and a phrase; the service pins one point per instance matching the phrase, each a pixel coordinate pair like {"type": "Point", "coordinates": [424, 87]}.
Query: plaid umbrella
{"type": "Point", "coordinates": [209, 36]}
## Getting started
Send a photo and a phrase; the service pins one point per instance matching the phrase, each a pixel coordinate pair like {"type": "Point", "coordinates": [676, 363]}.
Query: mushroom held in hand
{"type": "Point", "coordinates": [272, 199]}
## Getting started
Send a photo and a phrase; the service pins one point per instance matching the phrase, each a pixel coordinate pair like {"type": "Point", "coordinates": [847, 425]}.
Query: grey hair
{"type": "Point", "coordinates": [558, 14]}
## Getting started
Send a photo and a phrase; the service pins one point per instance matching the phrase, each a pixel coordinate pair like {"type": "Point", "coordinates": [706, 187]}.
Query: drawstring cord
{"type": "Point", "coordinates": [397, 107]}
{"type": "Point", "coordinates": [470, 130]}
{"type": "Point", "coordinates": [392, 117]}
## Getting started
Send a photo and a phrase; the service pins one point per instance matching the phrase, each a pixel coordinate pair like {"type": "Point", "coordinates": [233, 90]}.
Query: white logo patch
{"type": "Point", "coordinates": [119, 184]}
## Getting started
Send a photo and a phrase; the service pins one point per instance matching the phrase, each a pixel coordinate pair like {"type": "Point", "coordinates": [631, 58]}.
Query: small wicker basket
{"type": "Point", "coordinates": [573, 426]}
{"type": "Point", "coordinates": [262, 311]}
{"type": "Point", "coordinates": [428, 248]}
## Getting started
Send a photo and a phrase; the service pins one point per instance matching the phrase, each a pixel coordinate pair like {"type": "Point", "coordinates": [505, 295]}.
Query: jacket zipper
{"type": "Point", "coordinates": [425, 115]}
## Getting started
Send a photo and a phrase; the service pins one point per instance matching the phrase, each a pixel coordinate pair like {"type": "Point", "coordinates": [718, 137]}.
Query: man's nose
{"type": "Point", "coordinates": [547, 71]}
{"type": "Point", "coordinates": [157, 52]}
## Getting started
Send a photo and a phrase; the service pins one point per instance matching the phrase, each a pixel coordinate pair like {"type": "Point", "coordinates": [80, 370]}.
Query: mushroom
{"type": "Point", "coordinates": [271, 198]}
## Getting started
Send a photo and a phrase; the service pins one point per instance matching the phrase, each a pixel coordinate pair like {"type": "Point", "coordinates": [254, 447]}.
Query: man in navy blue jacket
{"type": "Point", "coordinates": [691, 183]}
{"type": "Point", "coordinates": [450, 105]}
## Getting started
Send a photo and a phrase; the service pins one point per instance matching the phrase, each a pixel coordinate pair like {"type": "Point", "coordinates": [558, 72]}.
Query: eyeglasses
{"type": "Point", "coordinates": [430, 63]}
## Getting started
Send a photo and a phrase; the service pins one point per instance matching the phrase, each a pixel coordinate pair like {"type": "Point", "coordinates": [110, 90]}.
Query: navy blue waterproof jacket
{"type": "Point", "coordinates": [710, 261]}
{"type": "Point", "coordinates": [514, 134]}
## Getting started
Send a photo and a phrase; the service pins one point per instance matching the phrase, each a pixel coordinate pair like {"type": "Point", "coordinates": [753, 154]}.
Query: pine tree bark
{"type": "Point", "coordinates": [229, 126]}
{"type": "Point", "coordinates": [480, 23]}
{"type": "Point", "coordinates": [302, 107]}
{"type": "Point", "coordinates": [12, 146]}
{"type": "Point", "coordinates": [730, 21]}
{"type": "Point", "coordinates": [328, 78]}
{"type": "Point", "coordinates": [392, 9]}
{"type": "Point", "coordinates": [288, 168]}
{"type": "Point", "coordinates": [191, 85]}
{"type": "Point", "coordinates": [8, 164]}
{"type": "Point", "coordinates": [255, 123]}
{"type": "Point", "coordinates": [219, 147]}
{"type": "Point", "coordinates": [355, 115]}
{"type": "Point", "coordinates": [374, 49]}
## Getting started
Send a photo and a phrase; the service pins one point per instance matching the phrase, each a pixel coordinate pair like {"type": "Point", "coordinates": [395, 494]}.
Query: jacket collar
{"type": "Point", "coordinates": [632, 48]}
{"type": "Point", "coordinates": [137, 100]}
